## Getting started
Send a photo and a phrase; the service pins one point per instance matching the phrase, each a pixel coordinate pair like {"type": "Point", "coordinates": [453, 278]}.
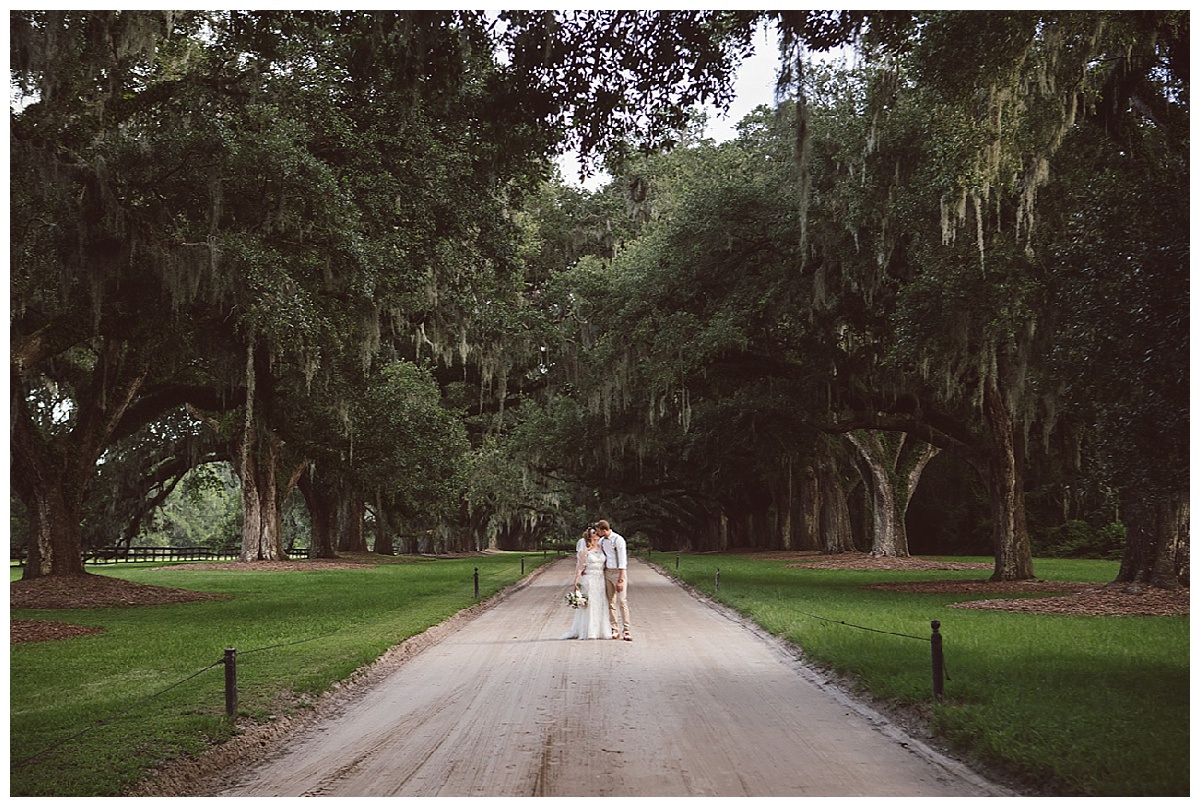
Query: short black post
{"type": "Point", "coordinates": [231, 697]}
{"type": "Point", "coordinates": [939, 665]}
{"type": "Point", "coordinates": [676, 560]}
{"type": "Point", "coordinates": [522, 566]}
{"type": "Point", "coordinates": [476, 582]}
{"type": "Point", "coordinates": [717, 580]}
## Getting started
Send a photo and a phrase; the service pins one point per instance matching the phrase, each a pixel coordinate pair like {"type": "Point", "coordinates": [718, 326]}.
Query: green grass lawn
{"type": "Point", "coordinates": [1077, 705]}
{"type": "Point", "coordinates": [1074, 705]}
{"type": "Point", "coordinates": [71, 726]}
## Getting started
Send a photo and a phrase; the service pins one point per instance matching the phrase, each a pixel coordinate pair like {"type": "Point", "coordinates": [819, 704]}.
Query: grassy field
{"type": "Point", "coordinates": [73, 731]}
{"type": "Point", "coordinates": [1072, 705]}
{"type": "Point", "coordinates": [1075, 705]}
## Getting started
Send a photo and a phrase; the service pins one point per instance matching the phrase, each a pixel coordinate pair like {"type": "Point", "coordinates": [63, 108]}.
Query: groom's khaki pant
{"type": "Point", "coordinates": [616, 598]}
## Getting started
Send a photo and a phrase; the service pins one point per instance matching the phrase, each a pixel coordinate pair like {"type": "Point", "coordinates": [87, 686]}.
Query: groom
{"type": "Point", "coordinates": [613, 546]}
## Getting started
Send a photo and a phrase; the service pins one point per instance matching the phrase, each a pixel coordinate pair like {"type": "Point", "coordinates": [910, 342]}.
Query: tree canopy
{"type": "Point", "coordinates": [334, 239]}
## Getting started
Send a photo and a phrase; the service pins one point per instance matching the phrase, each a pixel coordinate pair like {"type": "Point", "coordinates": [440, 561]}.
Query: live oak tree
{"type": "Point", "coordinates": [919, 235]}
{"type": "Point", "coordinates": [702, 365]}
{"type": "Point", "coordinates": [918, 212]}
{"type": "Point", "coordinates": [409, 453]}
{"type": "Point", "coordinates": [88, 309]}
{"type": "Point", "coordinates": [1116, 227]}
{"type": "Point", "coordinates": [680, 343]}
{"type": "Point", "coordinates": [273, 172]}
{"type": "Point", "coordinates": [941, 183]}
{"type": "Point", "coordinates": [217, 177]}
{"type": "Point", "coordinates": [241, 211]}
{"type": "Point", "coordinates": [140, 473]}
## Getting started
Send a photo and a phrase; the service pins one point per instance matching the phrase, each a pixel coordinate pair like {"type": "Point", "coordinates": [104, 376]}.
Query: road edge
{"type": "Point", "coordinates": [793, 655]}
{"type": "Point", "coordinates": [215, 769]}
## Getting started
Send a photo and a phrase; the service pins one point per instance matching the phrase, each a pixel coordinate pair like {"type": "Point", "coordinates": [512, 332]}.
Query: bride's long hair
{"type": "Point", "coordinates": [589, 535]}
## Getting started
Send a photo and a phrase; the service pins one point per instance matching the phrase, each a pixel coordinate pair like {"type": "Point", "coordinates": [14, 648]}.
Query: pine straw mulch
{"type": "Point", "coordinates": [1028, 596]}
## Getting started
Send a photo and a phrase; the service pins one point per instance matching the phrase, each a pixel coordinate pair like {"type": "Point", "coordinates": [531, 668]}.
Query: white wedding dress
{"type": "Point", "coordinates": [591, 622]}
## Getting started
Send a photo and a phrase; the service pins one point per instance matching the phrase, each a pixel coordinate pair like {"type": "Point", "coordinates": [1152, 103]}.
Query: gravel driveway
{"type": "Point", "coordinates": [700, 704]}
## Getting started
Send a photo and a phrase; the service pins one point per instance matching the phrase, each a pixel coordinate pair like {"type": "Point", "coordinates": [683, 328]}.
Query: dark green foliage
{"type": "Point", "coordinates": [948, 513]}
{"type": "Point", "coordinates": [986, 208]}
{"type": "Point", "coordinates": [1078, 539]}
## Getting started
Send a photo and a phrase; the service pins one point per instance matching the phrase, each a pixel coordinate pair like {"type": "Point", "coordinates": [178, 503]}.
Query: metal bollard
{"type": "Point", "coordinates": [676, 560]}
{"type": "Point", "coordinates": [231, 695]}
{"type": "Point", "coordinates": [939, 663]}
{"type": "Point", "coordinates": [476, 582]}
{"type": "Point", "coordinates": [522, 566]}
{"type": "Point", "coordinates": [717, 581]}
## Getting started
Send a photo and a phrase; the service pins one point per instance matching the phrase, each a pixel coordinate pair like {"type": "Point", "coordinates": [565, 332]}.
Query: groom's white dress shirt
{"type": "Point", "coordinates": [614, 551]}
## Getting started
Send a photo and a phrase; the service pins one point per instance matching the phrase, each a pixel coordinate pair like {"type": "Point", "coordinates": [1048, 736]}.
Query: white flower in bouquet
{"type": "Point", "coordinates": [575, 599]}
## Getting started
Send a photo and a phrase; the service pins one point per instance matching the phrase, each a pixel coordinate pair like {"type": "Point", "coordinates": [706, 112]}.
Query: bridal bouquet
{"type": "Point", "coordinates": [575, 599]}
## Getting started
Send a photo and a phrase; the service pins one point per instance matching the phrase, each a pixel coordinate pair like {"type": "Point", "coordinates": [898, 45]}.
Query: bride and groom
{"type": "Point", "coordinates": [600, 575]}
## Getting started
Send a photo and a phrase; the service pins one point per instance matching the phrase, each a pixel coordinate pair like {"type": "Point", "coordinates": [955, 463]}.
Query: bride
{"type": "Point", "coordinates": [590, 622]}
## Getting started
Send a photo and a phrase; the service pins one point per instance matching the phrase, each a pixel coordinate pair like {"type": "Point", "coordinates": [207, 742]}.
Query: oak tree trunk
{"type": "Point", "coordinates": [350, 510]}
{"type": "Point", "coordinates": [262, 525]}
{"type": "Point", "coordinates": [833, 518]}
{"type": "Point", "coordinates": [896, 461]}
{"type": "Point", "coordinates": [55, 541]}
{"type": "Point", "coordinates": [383, 532]}
{"type": "Point", "coordinates": [53, 473]}
{"type": "Point", "coordinates": [1157, 540]}
{"type": "Point", "coordinates": [255, 459]}
{"type": "Point", "coordinates": [889, 540]}
{"type": "Point", "coordinates": [808, 502]}
{"type": "Point", "coordinates": [1001, 472]}
{"type": "Point", "coordinates": [783, 494]}
{"type": "Point", "coordinates": [321, 504]}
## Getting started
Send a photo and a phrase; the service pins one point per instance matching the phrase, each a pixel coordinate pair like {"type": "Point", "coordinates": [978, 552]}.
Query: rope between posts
{"type": "Point", "coordinates": [298, 641]}
{"type": "Point", "coordinates": [199, 672]}
{"type": "Point", "coordinates": [149, 698]}
{"type": "Point", "coordinates": [102, 721]}
{"type": "Point", "coordinates": [861, 627]}
{"type": "Point", "coordinates": [939, 659]}
{"type": "Point", "coordinates": [928, 639]}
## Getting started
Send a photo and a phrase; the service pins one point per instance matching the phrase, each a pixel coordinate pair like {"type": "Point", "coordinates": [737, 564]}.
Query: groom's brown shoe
{"type": "Point", "coordinates": [627, 637]}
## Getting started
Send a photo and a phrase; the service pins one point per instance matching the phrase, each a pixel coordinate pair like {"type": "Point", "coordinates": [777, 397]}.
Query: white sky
{"type": "Point", "coordinates": [755, 85]}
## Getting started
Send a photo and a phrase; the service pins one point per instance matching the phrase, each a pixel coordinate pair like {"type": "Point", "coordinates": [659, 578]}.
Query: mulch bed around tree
{"type": "Point", "coordinates": [1097, 601]}
{"type": "Point", "coordinates": [83, 591]}
{"type": "Point", "coordinates": [1032, 596]}
{"type": "Point", "coordinates": [30, 630]}
{"type": "Point", "coordinates": [862, 560]}
{"type": "Point", "coordinates": [95, 591]}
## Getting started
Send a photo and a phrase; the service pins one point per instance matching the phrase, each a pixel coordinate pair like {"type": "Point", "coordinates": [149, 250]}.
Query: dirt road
{"type": "Point", "coordinates": [698, 705]}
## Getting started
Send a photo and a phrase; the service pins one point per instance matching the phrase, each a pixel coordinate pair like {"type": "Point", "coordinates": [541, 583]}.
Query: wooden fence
{"type": "Point", "coordinates": [147, 554]}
